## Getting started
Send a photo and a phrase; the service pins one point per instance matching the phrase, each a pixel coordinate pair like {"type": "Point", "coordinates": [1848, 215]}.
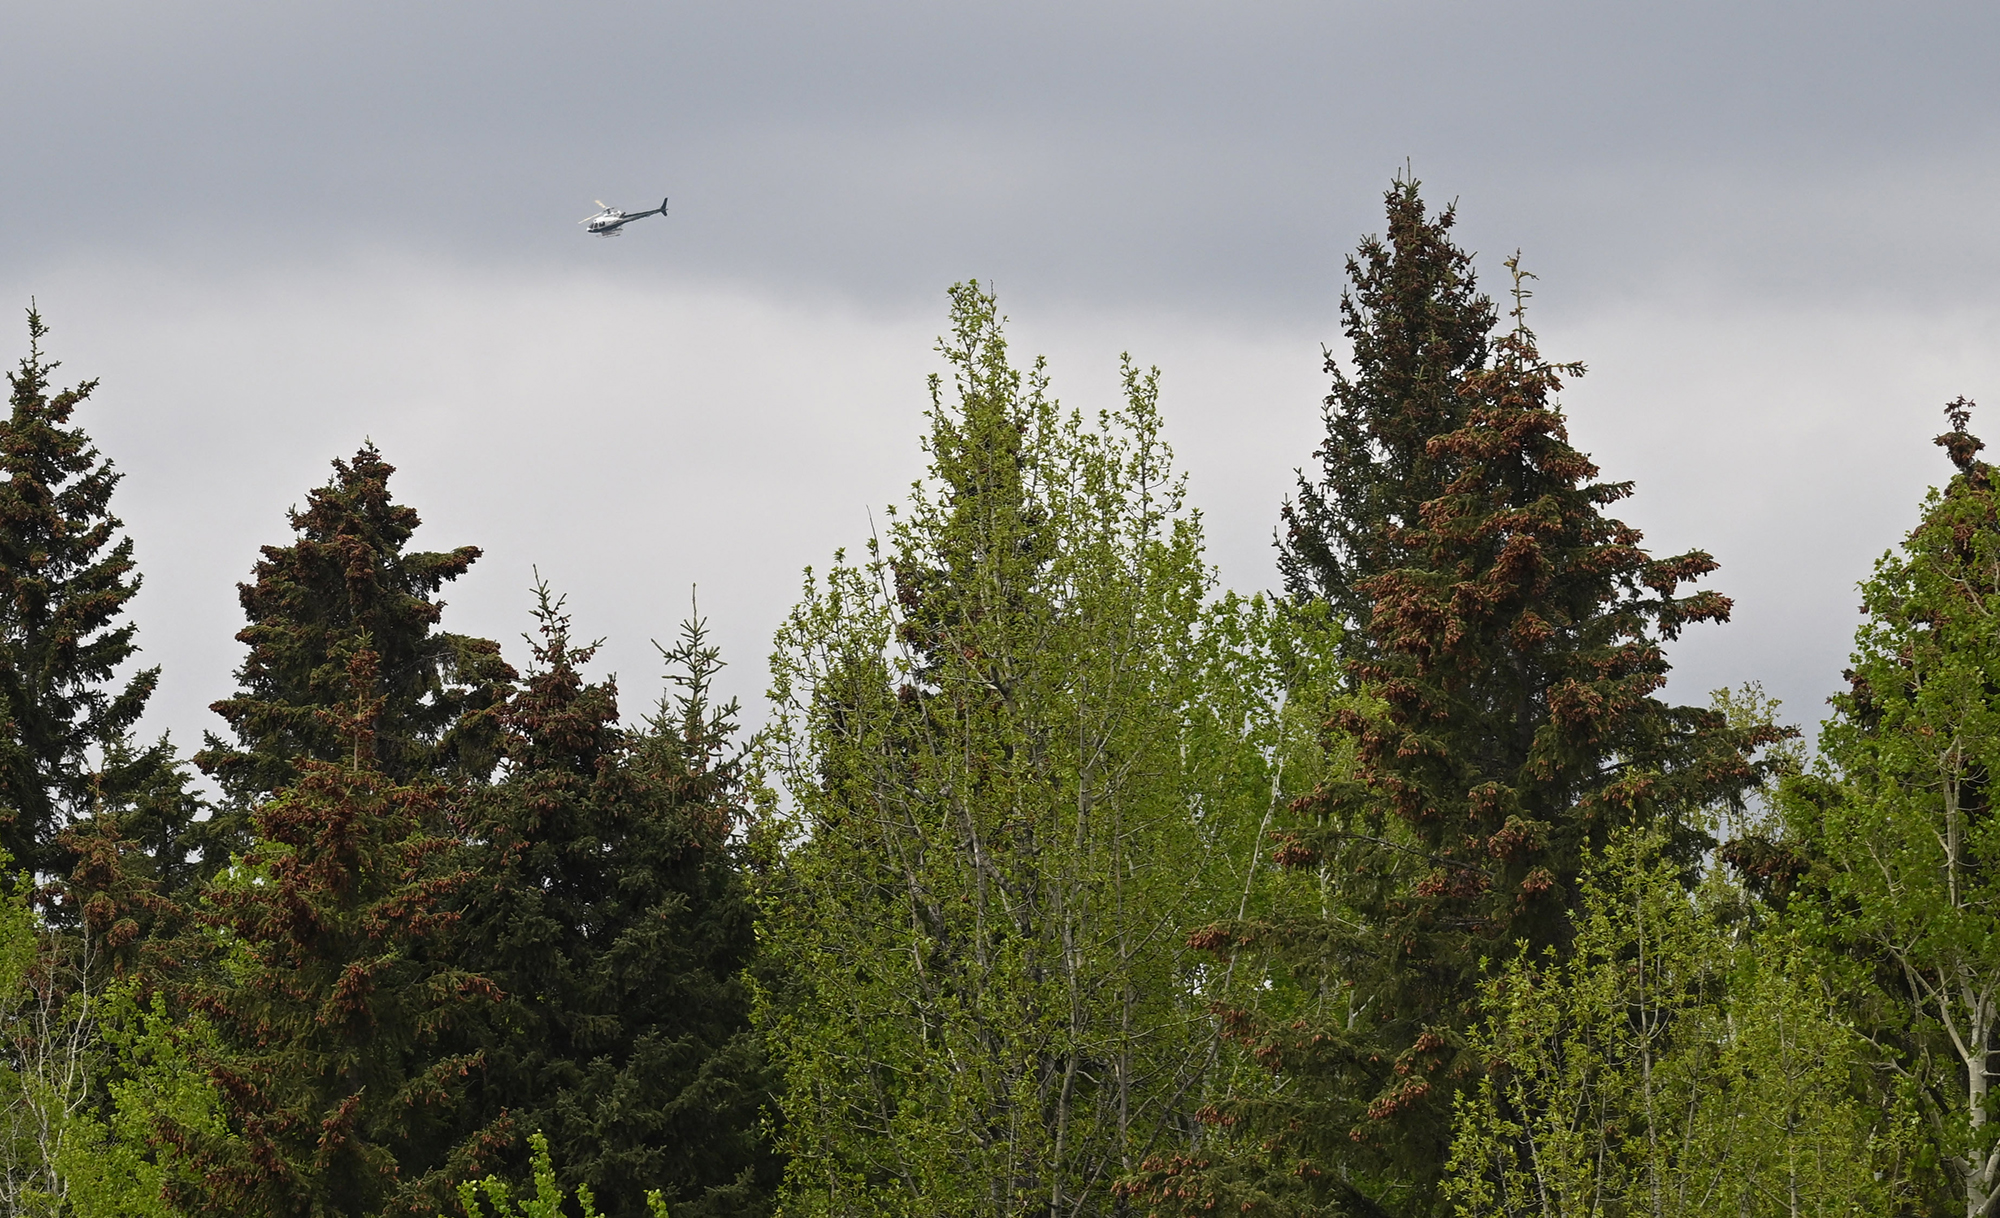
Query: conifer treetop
{"type": "Point", "coordinates": [346, 583]}
{"type": "Point", "coordinates": [1963, 446]}
{"type": "Point", "coordinates": [609, 910]}
{"type": "Point", "coordinates": [66, 577]}
{"type": "Point", "coordinates": [1416, 324]}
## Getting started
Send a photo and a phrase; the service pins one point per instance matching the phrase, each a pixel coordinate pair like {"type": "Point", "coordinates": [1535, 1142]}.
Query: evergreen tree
{"type": "Point", "coordinates": [610, 910]}
{"type": "Point", "coordinates": [347, 585]}
{"type": "Point", "coordinates": [336, 999]}
{"type": "Point", "coordinates": [1416, 324]}
{"type": "Point", "coordinates": [66, 577]}
{"type": "Point", "coordinates": [1510, 724]}
{"type": "Point", "coordinates": [134, 872]}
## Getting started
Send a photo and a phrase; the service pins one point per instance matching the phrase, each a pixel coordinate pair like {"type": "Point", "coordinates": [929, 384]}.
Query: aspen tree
{"type": "Point", "coordinates": [1891, 853]}
{"type": "Point", "coordinates": [1025, 755]}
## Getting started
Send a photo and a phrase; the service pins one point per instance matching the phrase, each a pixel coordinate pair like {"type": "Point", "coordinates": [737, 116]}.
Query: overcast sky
{"type": "Point", "coordinates": [274, 230]}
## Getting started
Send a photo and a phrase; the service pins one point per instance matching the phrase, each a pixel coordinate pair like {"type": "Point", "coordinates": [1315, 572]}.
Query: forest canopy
{"type": "Point", "coordinates": [1062, 880]}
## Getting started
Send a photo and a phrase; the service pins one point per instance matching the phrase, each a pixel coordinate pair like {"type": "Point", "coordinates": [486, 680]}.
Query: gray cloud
{"type": "Point", "coordinates": [1221, 154]}
{"type": "Point", "coordinates": [274, 230]}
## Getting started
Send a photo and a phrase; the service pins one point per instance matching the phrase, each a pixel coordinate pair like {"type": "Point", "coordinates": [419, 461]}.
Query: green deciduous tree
{"type": "Point", "coordinates": [85, 1072]}
{"type": "Point", "coordinates": [1023, 756]}
{"type": "Point", "coordinates": [610, 909]}
{"type": "Point", "coordinates": [48, 1058]}
{"type": "Point", "coordinates": [493, 1195]}
{"type": "Point", "coordinates": [1674, 1062]}
{"type": "Point", "coordinates": [119, 1158]}
{"type": "Point", "coordinates": [1891, 854]}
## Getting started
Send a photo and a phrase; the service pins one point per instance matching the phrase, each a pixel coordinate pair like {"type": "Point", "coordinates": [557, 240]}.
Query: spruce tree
{"type": "Point", "coordinates": [66, 578]}
{"type": "Point", "coordinates": [338, 996]}
{"type": "Point", "coordinates": [1508, 724]}
{"type": "Point", "coordinates": [349, 584]}
{"type": "Point", "coordinates": [1417, 324]}
{"type": "Point", "coordinates": [610, 909]}
{"type": "Point", "coordinates": [134, 870]}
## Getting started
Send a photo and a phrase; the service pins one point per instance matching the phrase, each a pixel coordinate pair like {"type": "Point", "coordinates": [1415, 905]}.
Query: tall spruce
{"type": "Point", "coordinates": [1416, 324]}
{"type": "Point", "coordinates": [337, 999]}
{"type": "Point", "coordinates": [1509, 723]}
{"type": "Point", "coordinates": [349, 584]}
{"type": "Point", "coordinates": [66, 578]}
{"type": "Point", "coordinates": [611, 911]}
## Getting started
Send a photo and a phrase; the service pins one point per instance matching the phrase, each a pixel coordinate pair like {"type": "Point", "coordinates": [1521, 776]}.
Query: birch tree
{"type": "Point", "coordinates": [87, 1071]}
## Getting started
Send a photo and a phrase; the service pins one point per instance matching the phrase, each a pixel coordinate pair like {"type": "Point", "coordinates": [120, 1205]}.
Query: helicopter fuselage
{"type": "Point", "coordinates": [610, 222]}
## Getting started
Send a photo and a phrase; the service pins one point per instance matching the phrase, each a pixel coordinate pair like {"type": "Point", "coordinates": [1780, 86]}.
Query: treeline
{"type": "Point", "coordinates": [1062, 881]}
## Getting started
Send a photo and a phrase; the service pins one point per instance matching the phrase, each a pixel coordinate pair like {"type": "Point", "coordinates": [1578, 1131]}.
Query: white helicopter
{"type": "Point", "coordinates": [609, 221]}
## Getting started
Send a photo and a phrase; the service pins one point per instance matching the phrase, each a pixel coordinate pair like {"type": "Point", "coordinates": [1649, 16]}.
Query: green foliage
{"type": "Point", "coordinates": [66, 577]}
{"type": "Point", "coordinates": [1890, 856]}
{"type": "Point", "coordinates": [127, 1164]}
{"type": "Point", "coordinates": [46, 1057]}
{"type": "Point", "coordinates": [348, 584]}
{"type": "Point", "coordinates": [492, 1193]}
{"type": "Point", "coordinates": [1072, 886]}
{"type": "Point", "coordinates": [1023, 756]}
{"type": "Point", "coordinates": [1670, 1063]}
{"type": "Point", "coordinates": [85, 1070]}
{"type": "Point", "coordinates": [609, 908]}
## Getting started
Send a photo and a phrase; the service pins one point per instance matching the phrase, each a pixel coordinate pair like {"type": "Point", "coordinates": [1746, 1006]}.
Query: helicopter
{"type": "Point", "coordinates": [609, 221]}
